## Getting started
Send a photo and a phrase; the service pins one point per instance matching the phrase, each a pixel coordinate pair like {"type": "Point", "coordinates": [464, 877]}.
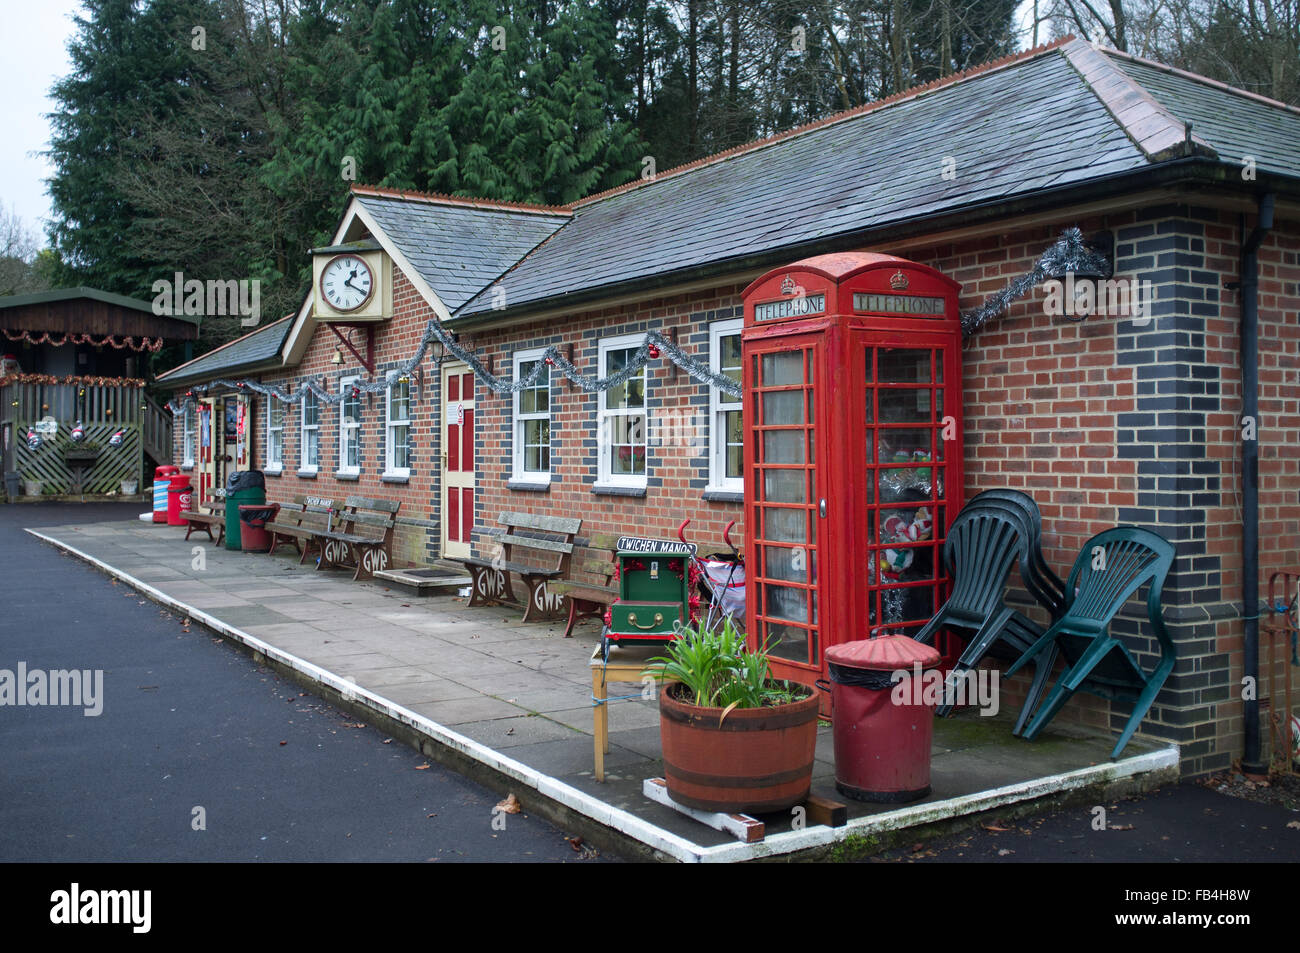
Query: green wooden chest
{"type": "Point", "coordinates": [654, 589]}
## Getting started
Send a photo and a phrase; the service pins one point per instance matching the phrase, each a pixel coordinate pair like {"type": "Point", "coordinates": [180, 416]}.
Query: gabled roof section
{"type": "Point", "coordinates": [257, 349]}
{"type": "Point", "coordinates": [1056, 117]}
{"type": "Point", "coordinates": [1012, 128]}
{"type": "Point", "coordinates": [458, 246]}
{"type": "Point", "coordinates": [1233, 122]}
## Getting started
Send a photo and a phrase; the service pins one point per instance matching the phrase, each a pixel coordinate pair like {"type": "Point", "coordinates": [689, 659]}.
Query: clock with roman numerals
{"type": "Point", "coordinates": [346, 282]}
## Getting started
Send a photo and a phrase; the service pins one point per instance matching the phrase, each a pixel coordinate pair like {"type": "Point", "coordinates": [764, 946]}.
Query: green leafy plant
{"type": "Point", "coordinates": [717, 670]}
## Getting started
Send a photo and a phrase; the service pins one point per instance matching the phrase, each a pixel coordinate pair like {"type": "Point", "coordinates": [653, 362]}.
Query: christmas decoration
{"type": "Point", "coordinates": [152, 345]}
{"type": "Point", "coordinates": [71, 379]}
{"type": "Point", "coordinates": [33, 440]}
{"type": "Point", "coordinates": [1070, 253]}
{"type": "Point", "coordinates": [653, 351]}
{"type": "Point", "coordinates": [117, 438]}
{"type": "Point", "coordinates": [78, 432]}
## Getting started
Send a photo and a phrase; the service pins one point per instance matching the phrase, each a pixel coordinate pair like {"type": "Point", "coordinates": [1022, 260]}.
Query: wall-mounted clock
{"type": "Point", "coordinates": [346, 282]}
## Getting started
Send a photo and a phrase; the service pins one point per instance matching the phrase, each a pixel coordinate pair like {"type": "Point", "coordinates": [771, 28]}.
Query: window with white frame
{"type": "Point", "coordinates": [397, 427]}
{"type": "Point", "coordinates": [310, 431]}
{"type": "Point", "coordinates": [532, 415]}
{"type": "Point", "coordinates": [274, 434]}
{"type": "Point", "coordinates": [349, 427]}
{"type": "Point", "coordinates": [189, 435]}
{"type": "Point", "coordinates": [726, 446]}
{"type": "Point", "coordinates": [622, 416]}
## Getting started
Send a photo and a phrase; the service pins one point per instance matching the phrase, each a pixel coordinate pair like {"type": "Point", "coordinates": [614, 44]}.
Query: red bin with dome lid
{"type": "Point", "coordinates": [853, 448]}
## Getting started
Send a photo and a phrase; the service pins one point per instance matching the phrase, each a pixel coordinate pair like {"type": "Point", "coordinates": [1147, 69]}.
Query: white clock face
{"type": "Point", "coordinates": [346, 283]}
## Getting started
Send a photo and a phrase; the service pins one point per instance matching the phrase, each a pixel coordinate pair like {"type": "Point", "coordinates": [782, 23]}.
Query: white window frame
{"type": "Point", "coordinates": [346, 430]}
{"type": "Point", "coordinates": [720, 405]}
{"type": "Point", "coordinates": [274, 435]}
{"type": "Point", "coordinates": [518, 473]}
{"type": "Point", "coordinates": [389, 424]}
{"type": "Point", "coordinates": [304, 465]}
{"type": "Point", "coordinates": [606, 477]}
{"type": "Point", "coordinates": [189, 435]}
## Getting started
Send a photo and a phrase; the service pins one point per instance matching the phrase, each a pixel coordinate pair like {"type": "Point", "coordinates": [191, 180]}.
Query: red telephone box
{"type": "Point", "coordinates": [852, 417]}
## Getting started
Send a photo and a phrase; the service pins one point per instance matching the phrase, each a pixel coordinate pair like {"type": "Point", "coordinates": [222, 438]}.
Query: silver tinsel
{"type": "Point", "coordinates": [1070, 253]}
{"type": "Point", "coordinates": [435, 332]}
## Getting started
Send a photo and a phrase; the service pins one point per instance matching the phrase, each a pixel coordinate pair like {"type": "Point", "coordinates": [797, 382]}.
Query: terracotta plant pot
{"type": "Point", "coordinates": [758, 759]}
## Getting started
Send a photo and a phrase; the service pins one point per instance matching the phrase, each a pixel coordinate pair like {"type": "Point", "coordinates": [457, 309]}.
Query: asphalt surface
{"type": "Point", "coordinates": [1177, 824]}
{"type": "Point", "coordinates": [199, 754]}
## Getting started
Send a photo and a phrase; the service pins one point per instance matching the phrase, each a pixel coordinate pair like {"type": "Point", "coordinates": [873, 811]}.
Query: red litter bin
{"type": "Point", "coordinates": [253, 537]}
{"type": "Point", "coordinates": [881, 726]}
{"type": "Point", "coordinates": [179, 496]}
{"type": "Point", "coordinates": [161, 477]}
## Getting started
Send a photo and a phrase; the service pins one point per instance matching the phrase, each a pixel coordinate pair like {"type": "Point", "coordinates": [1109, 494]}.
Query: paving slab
{"type": "Point", "coordinates": [514, 697]}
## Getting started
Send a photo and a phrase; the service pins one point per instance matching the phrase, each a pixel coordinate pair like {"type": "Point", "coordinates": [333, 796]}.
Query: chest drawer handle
{"type": "Point", "coordinates": [659, 620]}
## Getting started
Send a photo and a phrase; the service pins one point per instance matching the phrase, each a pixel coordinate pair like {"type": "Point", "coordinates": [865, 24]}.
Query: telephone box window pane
{"type": "Point", "coordinates": [787, 642]}
{"type": "Point", "coordinates": [904, 406]}
{"type": "Point", "coordinates": [790, 565]}
{"type": "Point", "coordinates": [783, 446]}
{"type": "Point", "coordinates": [904, 366]}
{"type": "Point", "coordinates": [783, 486]}
{"type": "Point", "coordinates": [785, 525]}
{"type": "Point", "coordinates": [787, 602]}
{"type": "Point", "coordinates": [783, 369]}
{"type": "Point", "coordinates": [783, 408]}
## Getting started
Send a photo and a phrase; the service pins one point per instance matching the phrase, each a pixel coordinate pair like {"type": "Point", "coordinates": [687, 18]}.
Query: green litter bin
{"type": "Point", "coordinates": [243, 488]}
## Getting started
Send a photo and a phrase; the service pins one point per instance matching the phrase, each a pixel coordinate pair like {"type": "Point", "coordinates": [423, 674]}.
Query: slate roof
{"type": "Point", "coordinates": [1062, 115]}
{"type": "Point", "coordinates": [258, 347]}
{"type": "Point", "coordinates": [1233, 122]}
{"type": "Point", "coordinates": [459, 247]}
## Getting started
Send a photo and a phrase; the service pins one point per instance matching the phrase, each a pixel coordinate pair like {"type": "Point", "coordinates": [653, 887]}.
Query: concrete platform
{"type": "Point", "coordinates": [511, 704]}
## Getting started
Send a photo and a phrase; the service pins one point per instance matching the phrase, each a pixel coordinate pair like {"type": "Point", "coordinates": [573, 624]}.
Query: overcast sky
{"type": "Point", "coordinates": [36, 34]}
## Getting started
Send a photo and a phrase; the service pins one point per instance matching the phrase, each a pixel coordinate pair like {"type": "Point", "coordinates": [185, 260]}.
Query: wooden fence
{"type": "Point", "coordinates": [103, 410]}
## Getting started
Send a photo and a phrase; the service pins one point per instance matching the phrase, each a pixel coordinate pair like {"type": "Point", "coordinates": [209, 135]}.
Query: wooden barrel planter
{"type": "Point", "coordinates": [757, 759]}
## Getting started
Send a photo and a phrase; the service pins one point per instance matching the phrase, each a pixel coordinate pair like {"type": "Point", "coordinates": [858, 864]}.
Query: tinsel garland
{"type": "Point", "coordinates": [652, 346]}
{"type": "Point", "coordinates": [8, 379]}
{"type": "Point", "coordinates": [1070, 253]}
{"type": "Point", "coordinates": [145, 343]}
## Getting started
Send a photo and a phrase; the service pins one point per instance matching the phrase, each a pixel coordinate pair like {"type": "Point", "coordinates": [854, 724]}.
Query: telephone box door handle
{"type": "Point", "coordinates": [821, 507]}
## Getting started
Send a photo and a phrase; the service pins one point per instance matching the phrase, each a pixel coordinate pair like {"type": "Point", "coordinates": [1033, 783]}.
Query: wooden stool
{"type": "Point", "coordinates": [626, 664]}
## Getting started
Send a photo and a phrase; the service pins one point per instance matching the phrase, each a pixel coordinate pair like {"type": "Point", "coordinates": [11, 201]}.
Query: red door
{"type": "Point", "coordinates": [785, 505]}
{"type": "Point", "coordinates": [457, 460]}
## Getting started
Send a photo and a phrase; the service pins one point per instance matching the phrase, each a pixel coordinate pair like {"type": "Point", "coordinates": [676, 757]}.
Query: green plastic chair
{"type": "Point", "coordinates": [1097, 662]}
{"type": "Point", "coordinates": [978, 551]}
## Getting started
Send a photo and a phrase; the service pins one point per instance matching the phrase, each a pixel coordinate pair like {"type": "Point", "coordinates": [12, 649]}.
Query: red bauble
{"type": "Point", "coordinates": [654, 351]}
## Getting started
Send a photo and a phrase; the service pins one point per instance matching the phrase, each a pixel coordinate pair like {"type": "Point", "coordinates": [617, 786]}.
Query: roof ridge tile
{"type": "Point", "coordinates": [1152, 127]}
{"type": "Point", "coordinates": [439, 198]}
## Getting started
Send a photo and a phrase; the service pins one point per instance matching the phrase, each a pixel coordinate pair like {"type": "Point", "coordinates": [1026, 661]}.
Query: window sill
{"type": "Point", "coordinates": [273, 471]}
{"type": "Point", "coordinates": [717, 494]}
{"type": "Point", "coordinates": [187, 467]}
{"type": "Point", "coordinates": [306, 474]}
{"type": "Point", "coordinates": [394, 478]}
{"type": "Point", "coordinates": [617, 489]}
{"type": "Point", "coordinates": [347, 476]}
{"type": "Point", "coordinates": [529, 486]}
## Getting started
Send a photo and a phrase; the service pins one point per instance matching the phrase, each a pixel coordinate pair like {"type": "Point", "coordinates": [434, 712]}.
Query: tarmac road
{"type": "Point", "coordinates": [191, 730]}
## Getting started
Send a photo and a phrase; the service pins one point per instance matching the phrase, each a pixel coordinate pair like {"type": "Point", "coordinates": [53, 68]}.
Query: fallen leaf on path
{"type": "Point", "coordinates": [421, 767]}
{"type": "Point", "coordinates": [1004, 851]}
{"type": "Point", "coordinates": [995, 827]}
{"type": "Point", "coordinates": [1119, 827]}
{"type": "Point", "coordinates": [1294, 825]}
{"type": "Point", "coordinates": [283, 743]}
{"type": "Point", "coordinates": [388, 741]}
{"type": "Point", "coordinates": [510, 805]}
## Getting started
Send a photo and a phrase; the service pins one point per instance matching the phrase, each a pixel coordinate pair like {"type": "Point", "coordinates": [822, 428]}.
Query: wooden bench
{"type": "Point", "coordinates": [492, 576]}
{"type": "Point", "coordinates": [196, 519]}
{"type": "Point", "coordinates": [361, 537]}
{"type": "Point", "coordinates": [300, 523]}
{"type": "Point", "coordinates": [589, 598]}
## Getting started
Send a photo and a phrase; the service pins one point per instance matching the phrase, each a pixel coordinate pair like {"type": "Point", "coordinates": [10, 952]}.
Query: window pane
{"type": "Point", "coordinates": [782, 369]}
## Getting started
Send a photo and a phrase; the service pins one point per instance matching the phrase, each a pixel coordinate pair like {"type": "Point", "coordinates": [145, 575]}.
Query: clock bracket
{"type": "Point", "coordinates": [368, 362]}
